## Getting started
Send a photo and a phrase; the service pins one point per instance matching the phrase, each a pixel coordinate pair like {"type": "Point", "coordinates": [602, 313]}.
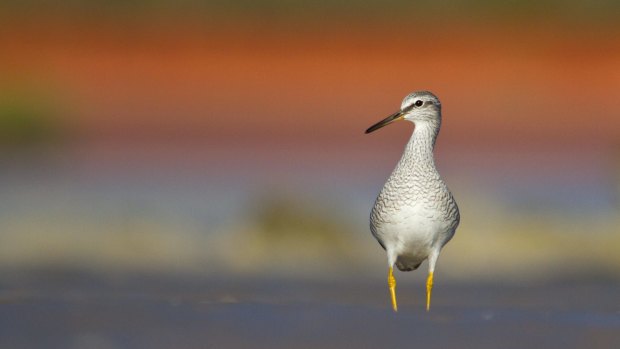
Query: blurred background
{"type": "Point", "coordinates": [196, 174]}
{"type": "Point", "coordinates": [226, 138]}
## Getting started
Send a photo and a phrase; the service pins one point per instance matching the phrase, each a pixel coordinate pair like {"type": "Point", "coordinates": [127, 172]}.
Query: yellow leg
{"type": "Point", "coordinates": [429, 288]}
{"type": "Point", "coordinates": [392, 286]}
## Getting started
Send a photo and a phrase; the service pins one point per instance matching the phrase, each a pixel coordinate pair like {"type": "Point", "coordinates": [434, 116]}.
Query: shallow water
{"type": "Point", "coordinates": [82, 311]}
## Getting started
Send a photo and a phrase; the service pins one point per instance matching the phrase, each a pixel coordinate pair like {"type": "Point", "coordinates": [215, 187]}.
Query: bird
{"type": "Point", "coordinates": [415, 214]}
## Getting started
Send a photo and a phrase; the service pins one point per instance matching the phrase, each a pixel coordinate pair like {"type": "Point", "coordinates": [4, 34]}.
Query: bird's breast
{"type": "Point", "coordinates": [414, 214]}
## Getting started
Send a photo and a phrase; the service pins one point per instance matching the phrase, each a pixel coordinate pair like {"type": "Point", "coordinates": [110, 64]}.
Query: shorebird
{"type": "Point", "coordinates": [414, 215]}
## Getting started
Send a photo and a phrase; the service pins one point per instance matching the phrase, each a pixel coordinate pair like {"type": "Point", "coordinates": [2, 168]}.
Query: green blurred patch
{"type": "Point", "coordinates": [281, 217]}
{"type": "Point", "coordinates": [27, 119]}
{"type": "Point", "coordinates": [289, 233]}
{"type": "Point", "coordinates": [594, 12]}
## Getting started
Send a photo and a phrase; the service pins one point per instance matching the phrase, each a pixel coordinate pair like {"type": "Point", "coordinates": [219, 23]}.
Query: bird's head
{"type": "Point", "coordinates": [418, 107]}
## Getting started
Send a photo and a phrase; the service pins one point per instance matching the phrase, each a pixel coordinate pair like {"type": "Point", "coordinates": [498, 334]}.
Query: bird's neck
{"type": "Point", "coordinates": [418, 156]}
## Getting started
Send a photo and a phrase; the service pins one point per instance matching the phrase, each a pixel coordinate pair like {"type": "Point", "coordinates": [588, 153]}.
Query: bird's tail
{"type": "Point", "coordinates": [406, 263]}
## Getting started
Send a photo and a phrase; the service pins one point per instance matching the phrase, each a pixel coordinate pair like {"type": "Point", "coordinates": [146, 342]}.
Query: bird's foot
{"type": "Point", "coordinates": [392, 286]}
{"type": "Point", "coordinates": [429, 289]}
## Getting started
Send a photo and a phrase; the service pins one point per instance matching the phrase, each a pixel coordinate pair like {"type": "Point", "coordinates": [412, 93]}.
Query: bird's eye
{"type": "Point", "coordinates": [418, 103]}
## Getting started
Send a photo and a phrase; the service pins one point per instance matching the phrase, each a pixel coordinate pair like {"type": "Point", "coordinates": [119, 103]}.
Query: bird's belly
{"type": "Point", "coordinates": [412, 232]}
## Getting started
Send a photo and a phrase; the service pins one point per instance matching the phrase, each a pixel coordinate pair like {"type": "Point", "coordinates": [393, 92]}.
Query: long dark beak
{"type": "Point", "coordinates": [390, 119]}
